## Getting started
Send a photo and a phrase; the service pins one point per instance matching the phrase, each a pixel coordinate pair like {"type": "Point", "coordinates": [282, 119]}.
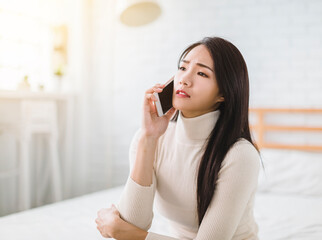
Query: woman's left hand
{"type": "Point", "coordinates": [111, 225]}
{"type": "Point", "coordinates": [108, 221]}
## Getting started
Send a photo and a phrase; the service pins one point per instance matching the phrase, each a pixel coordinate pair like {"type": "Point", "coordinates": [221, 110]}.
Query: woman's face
{"type": "Point", "coordinates": [196, 77]}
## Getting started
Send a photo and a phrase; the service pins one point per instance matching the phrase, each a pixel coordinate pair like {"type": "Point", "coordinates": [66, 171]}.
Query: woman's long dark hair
{"type": "Point", "coordinates": [232, 79]}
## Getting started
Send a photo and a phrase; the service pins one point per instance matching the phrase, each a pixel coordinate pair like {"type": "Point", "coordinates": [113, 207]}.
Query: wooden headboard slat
{"type": "Point", "coordinates": [260, 128]}
{"type": "Point", "coordinates": [286, 128]}
{"type": "Point", "coordinates": [294, 147]}
{"type": "Point", "coordinates": [286, 110]}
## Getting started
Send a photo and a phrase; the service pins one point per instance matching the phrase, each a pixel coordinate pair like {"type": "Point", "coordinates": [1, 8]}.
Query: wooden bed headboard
{"type": "Point", "coordinates": [260, 128]}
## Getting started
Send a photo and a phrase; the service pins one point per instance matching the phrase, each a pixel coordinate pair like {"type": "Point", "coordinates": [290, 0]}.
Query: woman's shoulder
{"type": "Point", "coordinates": [243, 144]}
{"type": "Point", "coordinates": [243, 152]}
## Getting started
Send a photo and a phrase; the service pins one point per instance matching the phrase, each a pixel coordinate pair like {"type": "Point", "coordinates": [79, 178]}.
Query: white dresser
{"type": "Point", "coordinates": [35, 148]}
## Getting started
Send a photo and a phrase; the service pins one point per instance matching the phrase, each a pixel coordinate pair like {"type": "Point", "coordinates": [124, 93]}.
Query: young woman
{"type": "Point", "coordinates": [201, 168]}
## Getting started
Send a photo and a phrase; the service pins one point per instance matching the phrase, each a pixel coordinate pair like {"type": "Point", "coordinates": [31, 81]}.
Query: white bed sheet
{"type": "Point", "coordinates": [69, 219]}
{"type": "Point", "coordinates": [288, 217]}
{"type": "Point", "coordinates": [279, 217]}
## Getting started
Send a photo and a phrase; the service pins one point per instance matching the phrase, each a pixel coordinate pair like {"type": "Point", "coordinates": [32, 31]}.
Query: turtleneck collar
{"type": "Point", "coordinates": [195, 130]}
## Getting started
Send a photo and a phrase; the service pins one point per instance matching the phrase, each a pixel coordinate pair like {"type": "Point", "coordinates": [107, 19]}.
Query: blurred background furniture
{"type": "Point", "coordinates": [38, 117]}
{"type": "Point", "coordinates": [41, 125]}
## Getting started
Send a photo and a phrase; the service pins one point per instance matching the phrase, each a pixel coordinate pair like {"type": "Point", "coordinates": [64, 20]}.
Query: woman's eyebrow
{"type": "Point", "coordinates": [200, 64]}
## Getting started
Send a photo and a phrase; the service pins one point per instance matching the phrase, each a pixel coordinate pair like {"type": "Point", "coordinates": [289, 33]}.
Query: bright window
{"type": "Point", "coordinates": [26, 41]}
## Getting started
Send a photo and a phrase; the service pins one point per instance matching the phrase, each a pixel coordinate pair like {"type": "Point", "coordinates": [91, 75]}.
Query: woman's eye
{"type": "Point", "coordinates": [202, 74]}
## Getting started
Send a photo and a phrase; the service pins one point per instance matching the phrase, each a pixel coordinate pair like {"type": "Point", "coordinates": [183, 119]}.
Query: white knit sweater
{"type": "Point", "coordinates": [179, 150]}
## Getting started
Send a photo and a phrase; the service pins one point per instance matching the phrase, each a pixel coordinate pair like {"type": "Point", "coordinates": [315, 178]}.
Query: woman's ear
{"type": "Point", "coordinates": [221, 99]}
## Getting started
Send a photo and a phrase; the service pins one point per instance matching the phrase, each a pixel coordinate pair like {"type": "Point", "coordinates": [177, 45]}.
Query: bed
{"type": "Point", "coordinates": [288, 203]}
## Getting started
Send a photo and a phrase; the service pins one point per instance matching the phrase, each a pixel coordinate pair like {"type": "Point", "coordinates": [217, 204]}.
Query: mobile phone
{"type": "Point", "coordinates": [164, 98]}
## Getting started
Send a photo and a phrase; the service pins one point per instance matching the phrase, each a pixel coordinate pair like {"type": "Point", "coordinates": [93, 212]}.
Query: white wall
{"type": "Point", "coordinates": [280, 41]}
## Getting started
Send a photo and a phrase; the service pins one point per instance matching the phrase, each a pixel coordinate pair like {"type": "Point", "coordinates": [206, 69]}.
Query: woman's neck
{"type": "Point", "coordinates": [196, 129]}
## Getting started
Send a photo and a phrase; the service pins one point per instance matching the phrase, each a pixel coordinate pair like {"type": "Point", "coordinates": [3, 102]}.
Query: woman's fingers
{"type": "Point", "coordinates": [150, 96]}
{"type": "Point", "coordinates": [155, 88]}
{"type": "Point", "coordinates": [149, 105]}
{"type": "Point", "coordinates": [116, 211]}
{"type": "Point", "coordinates": [104, 219]}
{"type": "Point", "coordinates": [170, 113]}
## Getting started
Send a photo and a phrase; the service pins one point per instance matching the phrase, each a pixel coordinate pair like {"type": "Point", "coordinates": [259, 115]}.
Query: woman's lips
{"type": "Point", "coordinates": [182, 94]}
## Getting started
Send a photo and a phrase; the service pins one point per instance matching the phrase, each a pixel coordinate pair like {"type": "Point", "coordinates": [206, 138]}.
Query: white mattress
{"type": "Point", "coordinates": [288, 217]}
{"type": "Point", "coordinates": [278, 217]}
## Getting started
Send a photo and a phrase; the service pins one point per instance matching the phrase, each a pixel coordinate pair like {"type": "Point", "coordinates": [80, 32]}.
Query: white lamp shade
{"type": "Point", "coordinates": [137, 12]}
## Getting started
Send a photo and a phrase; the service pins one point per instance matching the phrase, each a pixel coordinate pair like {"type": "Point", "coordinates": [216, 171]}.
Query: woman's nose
{"type": "Point", "coordinates": [185, 81]}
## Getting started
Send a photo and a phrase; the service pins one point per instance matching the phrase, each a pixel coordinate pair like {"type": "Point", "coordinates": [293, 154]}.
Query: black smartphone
{"type": "Point", "coordinates": [164, 98]}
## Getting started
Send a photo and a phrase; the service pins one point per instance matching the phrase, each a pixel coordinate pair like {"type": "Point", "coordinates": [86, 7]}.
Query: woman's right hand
{"type": "Point", "coordinates": [154, 126]}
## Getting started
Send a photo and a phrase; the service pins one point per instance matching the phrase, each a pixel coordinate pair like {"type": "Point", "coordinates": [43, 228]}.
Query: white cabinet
{"type": "Point", "coordinates": [36, 149]}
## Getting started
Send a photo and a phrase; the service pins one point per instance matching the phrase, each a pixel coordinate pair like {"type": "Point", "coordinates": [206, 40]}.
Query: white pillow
{"type": "Point", "coordinates": [291, 172]}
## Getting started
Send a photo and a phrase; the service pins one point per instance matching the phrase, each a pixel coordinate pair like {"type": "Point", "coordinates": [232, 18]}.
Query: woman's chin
{"type": "Point", "coordinates": [179, 105]}
{"type": "Point", "coordinates": [181, 108]}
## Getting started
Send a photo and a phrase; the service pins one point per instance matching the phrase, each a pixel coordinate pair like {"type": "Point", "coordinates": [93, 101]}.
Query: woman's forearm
{"type": "Point", "coordinates": [136, 202]}
{"type": "Point", "coordinates": [128, 231]}
{"type": "Point", "coordinates": [142, 172]}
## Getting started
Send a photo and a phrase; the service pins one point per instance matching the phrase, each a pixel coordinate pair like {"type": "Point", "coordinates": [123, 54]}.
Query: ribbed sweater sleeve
{"type": "Point", "coordinates": [237, 181]}
{"type": "Point", "coordinates": [136, 202]}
